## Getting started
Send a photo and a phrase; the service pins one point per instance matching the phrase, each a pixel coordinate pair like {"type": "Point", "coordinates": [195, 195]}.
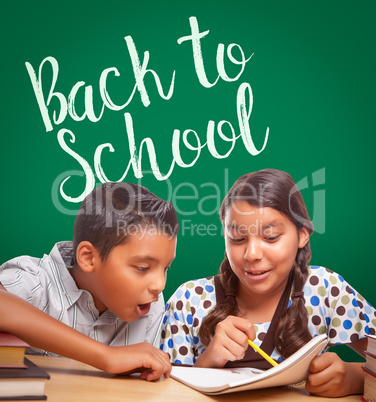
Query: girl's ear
{"type": "Point", "coordinates": [303, 237]}
{"type": "Point", "coordinates": [86, 256]}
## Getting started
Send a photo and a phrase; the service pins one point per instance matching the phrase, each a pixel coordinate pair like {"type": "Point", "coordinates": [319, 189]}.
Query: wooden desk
{"type": "Point", "coordinates": [72, 381]}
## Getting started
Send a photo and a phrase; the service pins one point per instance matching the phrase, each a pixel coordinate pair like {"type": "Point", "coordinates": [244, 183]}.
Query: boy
{"type": "Point", "coordinates": [102, 293]}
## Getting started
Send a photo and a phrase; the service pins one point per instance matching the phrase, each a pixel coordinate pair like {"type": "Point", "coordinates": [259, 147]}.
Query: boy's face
{"type": "Point", "coordinates": [133, 275]}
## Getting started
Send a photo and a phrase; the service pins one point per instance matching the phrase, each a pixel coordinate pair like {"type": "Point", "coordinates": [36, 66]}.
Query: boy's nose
{"type": "Point", "coordinates": [158, 283]}
{"type": "Point", "coordinates": [253, 250]}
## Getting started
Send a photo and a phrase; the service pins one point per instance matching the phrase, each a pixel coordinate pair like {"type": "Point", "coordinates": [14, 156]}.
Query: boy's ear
{"type": "Point", "coordinates": [86, 256]}
{"type": "Point", "coordinates": [303, 237]}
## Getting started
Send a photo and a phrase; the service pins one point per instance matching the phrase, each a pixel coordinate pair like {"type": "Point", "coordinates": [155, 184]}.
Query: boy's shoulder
{"type": "Point", "coordinates": [43, 282]}
{"type": "Point", "coordinates": [61, 253]}
{"type": "Point", "coordinates": [26, 272]}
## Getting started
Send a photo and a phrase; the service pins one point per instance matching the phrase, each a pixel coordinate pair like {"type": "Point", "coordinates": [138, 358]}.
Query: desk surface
{"type": "Point", "coordinates": [74, 381]}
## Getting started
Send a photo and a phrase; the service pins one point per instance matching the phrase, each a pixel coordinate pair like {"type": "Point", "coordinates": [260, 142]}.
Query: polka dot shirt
{"type": "Point", "coordinates": [333, 307]}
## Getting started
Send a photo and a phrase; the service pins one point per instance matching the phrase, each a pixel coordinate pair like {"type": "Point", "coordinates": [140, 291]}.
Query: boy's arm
{"type": "Point", "coordinates": [42, 331]}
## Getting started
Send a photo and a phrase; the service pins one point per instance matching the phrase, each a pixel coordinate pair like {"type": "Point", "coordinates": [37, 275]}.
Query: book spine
{"type": "Point", "coordinates": [369, 354]}
{"type": "Point", "coordinates": [368, 371]}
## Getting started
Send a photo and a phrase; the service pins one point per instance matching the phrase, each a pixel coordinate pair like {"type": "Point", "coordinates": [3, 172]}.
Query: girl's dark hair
{"type": "Point", "coordinates": [113, 211]}
{"type": "Point", "coordinates": [274, 189]}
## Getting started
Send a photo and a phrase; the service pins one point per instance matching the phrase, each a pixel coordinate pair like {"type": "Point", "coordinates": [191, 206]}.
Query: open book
{"type": "Point", "coordinates": [222, 381]}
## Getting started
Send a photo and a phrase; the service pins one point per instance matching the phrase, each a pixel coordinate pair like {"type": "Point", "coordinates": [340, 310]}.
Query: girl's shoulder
{"type": "Point", "coordinates": [195, 290]}
{"type": "Point", "coordinates": [318, 274]}
{"type": "Point", "coordinates": [325, 285]}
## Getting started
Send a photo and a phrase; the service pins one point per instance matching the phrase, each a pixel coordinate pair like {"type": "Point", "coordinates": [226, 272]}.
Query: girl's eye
{"type": "Point", "coordinates": [273, 238]}
{"type": "Point", "coordinates": [235, 240]}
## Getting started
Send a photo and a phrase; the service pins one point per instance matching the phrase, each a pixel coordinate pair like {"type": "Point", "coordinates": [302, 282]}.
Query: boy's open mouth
{"type": "Point", "coordinates": [143, 308]}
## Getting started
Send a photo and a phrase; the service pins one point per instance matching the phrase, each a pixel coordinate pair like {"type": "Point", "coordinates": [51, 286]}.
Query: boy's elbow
{"type": "Point", "coordinates": [4, 309]}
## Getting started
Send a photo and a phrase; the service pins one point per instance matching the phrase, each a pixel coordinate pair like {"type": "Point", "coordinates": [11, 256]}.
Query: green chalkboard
{"type": "Point", "coordinates": [74, 78]}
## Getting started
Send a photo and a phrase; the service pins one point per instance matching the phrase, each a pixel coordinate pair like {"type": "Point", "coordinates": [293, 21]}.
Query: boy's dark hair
{"type": "Point", "coordinates": [113, 211]}
{"type": "Point", "coordinates": [274, 189]}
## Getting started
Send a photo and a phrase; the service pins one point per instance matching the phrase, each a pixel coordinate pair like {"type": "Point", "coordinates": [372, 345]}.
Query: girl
{"type": "Point", "coordinates": [266, 292]}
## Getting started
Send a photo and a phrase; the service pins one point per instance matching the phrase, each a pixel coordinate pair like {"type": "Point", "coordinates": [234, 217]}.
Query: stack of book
{"type": "Point", "coordinates": [19, 377]}
{"type": "Point", "coordinates": [370, 371]}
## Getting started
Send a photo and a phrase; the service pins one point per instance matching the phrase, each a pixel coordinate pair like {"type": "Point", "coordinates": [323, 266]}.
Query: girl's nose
{"type": "Point", "coordinates": [253, 250]}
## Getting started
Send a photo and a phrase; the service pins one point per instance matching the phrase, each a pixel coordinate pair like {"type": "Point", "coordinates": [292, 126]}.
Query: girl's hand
{"type": "Point", "coordinates": [229, 342]}
{"type": "Point", "coordinates": [332, 377]}
{"type": "Point", "coordinates": [142, 358]}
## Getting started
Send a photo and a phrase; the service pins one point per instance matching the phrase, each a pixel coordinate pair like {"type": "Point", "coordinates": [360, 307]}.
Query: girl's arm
{"type": "Point", "coordinates": [42, 331]}
{"type": "Point", "coordinates": [332, 377]}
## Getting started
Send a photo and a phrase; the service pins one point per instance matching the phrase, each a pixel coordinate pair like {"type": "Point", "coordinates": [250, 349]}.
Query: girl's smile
{"type": "Point", "coordinates": [257, 275]}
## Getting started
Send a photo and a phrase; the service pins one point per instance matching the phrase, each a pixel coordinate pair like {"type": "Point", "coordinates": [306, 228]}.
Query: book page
{"type": "Point", "coordinates": [210, 378]}
{"type": "Point", "coordinates": [292, 370]}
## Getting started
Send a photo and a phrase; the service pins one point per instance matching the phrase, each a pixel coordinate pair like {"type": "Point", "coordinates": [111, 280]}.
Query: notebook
{"type": "Point", "coordinates": [212, 381]}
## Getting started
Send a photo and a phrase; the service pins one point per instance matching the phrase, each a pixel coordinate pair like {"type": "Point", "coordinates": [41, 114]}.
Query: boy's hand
{"type": "Point", "coordinates": [229, 342]}
{"type": "Point", "coordinates": [332, 377]}
{"type": "Point", "coordinates": [142, 357]}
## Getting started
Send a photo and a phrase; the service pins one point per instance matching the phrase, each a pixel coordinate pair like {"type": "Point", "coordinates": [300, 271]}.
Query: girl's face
{"type": "Point", "coordinates": [261, 245]}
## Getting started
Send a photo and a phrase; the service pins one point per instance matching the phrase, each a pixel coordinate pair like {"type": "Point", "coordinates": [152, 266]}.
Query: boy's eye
{"type": "Point", "coordinates": [142, 269]}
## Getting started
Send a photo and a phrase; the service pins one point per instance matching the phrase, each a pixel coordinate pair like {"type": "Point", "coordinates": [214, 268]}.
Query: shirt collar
{"type": "Point", "coordinates": [62, 254]}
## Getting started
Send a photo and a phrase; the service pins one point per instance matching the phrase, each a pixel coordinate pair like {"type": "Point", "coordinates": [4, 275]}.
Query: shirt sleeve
{"type": "Point", "coordinates": [177, 332]}
{"type": "Point", "coordinates": [153, 329]}
{"type": "Point", "coordinates": [184, 313]}
{"type": "Point", "coordinates": [23, 277]}
{"type": "Point", "coordinates": [338, 309]}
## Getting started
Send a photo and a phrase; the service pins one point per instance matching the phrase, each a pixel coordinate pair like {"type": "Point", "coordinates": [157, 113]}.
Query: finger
{"type": "Point", "coordinates": [161, 357]}
{"type": "Point", "coordinates": [320, 363]}
{"type": "Point", "coordinates": [322, 389]}
{"type": "Point", "coordinates": [235, 335]}
{"type": "Point", "coordinates": [238, 329]}
{"type": "Point", "coordinates": [318, 379]}
{"type": "Point", "coordinates": [168, 371]}
{"type": "Point", "coordinates": [129, 372]}
{"type": "Point", "coordinates": [145, 373]}
{"type": "Point", "coordinates": [167, 364]}
{"type": "Point", "coordinates": [155, 374]}
{"type": "Point", "coordinates": [164, 364]}
{"type": "Point", "coordinates": [156, 365]}
{"type": "Point", "coordinates": [244, 325]}
{"type": "Point", "coordinates": [233, 350]}
{"type": "Point", "coordinates": [229, 344]}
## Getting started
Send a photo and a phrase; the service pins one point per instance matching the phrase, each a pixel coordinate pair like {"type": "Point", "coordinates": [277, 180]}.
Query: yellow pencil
{"type": "Point", "coordinates": [262, 353]}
